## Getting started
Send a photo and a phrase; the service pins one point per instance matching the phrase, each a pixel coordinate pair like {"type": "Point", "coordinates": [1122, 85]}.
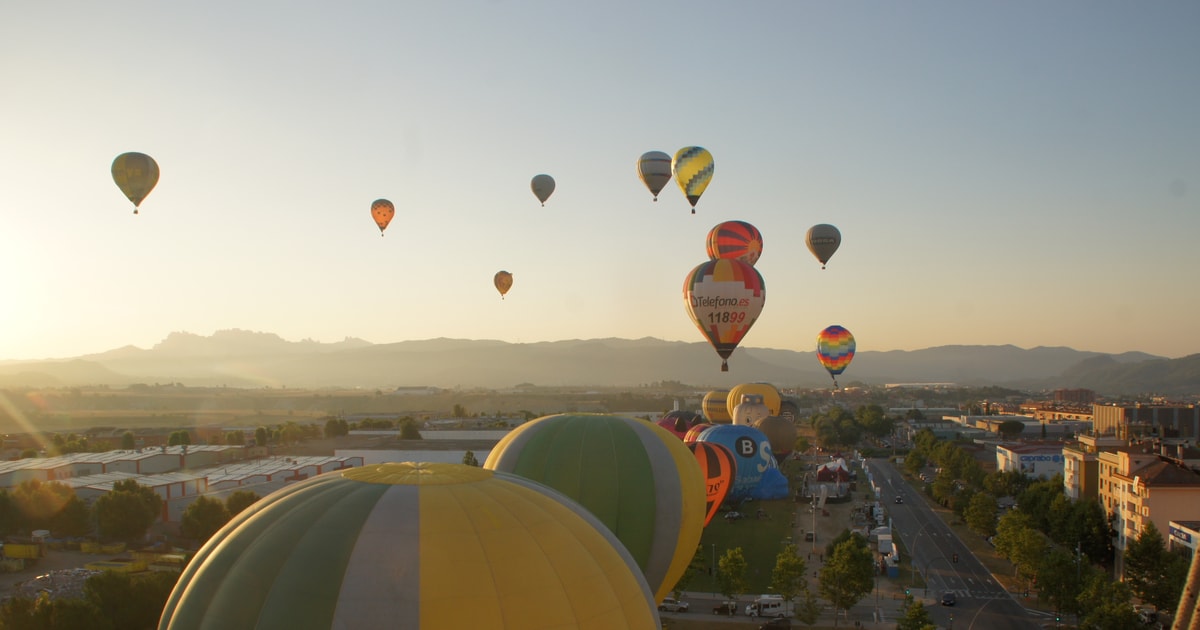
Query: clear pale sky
{"type": "Point", "coordinates": [1021, 173]}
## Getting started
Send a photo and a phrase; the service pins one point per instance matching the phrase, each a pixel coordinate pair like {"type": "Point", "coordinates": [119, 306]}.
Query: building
{"type": "Point", "coordinates": [1075, 396]}
{"type": "Point", "coordinates": [1183, 537]}
{"type": "Point", "coordinates": [1140, 420]}
{"type": "Point", "coordinates": [1081, 465]}
{"type": "Point", "coordinates": [1041, 461]}
{"type": "Point", "coordinates": [1139, 486]}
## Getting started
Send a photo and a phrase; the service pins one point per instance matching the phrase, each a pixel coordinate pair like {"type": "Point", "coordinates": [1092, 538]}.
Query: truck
{"type": "Point", "coordinates": [769, 606]}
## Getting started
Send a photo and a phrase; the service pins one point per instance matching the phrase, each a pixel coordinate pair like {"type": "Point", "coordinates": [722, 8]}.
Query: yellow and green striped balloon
{"type": "Point", "coordinates": [693, 169]}
{"type": "Point", "coordinates": [412, 545]}
{"type": "Point", "coordinates": [636, 477]}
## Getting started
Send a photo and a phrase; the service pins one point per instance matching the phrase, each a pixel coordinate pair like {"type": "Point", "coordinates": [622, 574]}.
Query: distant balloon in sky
{"type": "Point", "coordinates": [724, 298]}
{"type": "Point", "coordinates": [503, 281]}
{"type": "Point", "coordinates": [735, 239]}
{"type": "Point", "coordinates": [835, 350]}
{"type": "Point", "coordinates": [823, 240]}
{"type": "Point", "coordinates": [135, 174]}
{"type": "Point", "coordinates": [382, 211]}
{"type": "Point", "coordinates": [413, 545]}
{"type": "Point", "coordinates": [654, 169]}
{"type": "Point", "coordinates": [543, 187]}
{"type": "Point", "coordinates": [693, 169]}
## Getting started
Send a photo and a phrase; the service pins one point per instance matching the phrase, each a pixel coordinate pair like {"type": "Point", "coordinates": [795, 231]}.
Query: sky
{"type": "Point", "coordinates": [1022, 173]}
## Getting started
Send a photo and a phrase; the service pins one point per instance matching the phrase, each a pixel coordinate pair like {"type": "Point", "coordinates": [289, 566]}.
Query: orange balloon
{"type": "Point", "coordinates": [382, 211]}
{"type": "Point", "coordinates": [719, 468]}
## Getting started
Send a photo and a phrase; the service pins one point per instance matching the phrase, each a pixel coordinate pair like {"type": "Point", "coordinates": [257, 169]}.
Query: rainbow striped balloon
{"type": "Point", "coordinates": [835, 350]}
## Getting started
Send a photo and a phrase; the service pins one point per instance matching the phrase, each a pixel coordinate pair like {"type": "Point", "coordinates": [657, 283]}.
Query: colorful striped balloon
{"type": "Point", "coordinates": [693, 169]}
{"type": "Point", "coordinates": [412, 545]}
{"type": "Point", "coordinates": [638, 479]}
{"type": "Point", "coordinates": [720, 469]}
{"type": "Point", "coordinates": [724, 298]}
{"type": "Point", "coordinates": [835, 350]}
{"type": "Point", "coordinates": [735, 239]}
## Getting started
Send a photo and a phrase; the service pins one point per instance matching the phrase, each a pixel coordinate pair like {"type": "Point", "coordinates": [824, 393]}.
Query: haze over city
{"type": "Point", "coordinates": [1017, 173]}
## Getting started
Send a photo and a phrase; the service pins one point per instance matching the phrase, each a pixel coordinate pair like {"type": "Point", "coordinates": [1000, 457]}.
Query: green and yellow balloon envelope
{"type": "Point", "coordinates": [412, 545]}
{"type": "Point", "coordinates": [637, 478]}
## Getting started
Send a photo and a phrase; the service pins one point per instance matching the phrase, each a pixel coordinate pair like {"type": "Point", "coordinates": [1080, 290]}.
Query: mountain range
{"type": "Point", "coordinates": [240, 358]}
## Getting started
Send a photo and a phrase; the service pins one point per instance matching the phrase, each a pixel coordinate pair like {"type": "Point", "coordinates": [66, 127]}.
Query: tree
{"type": "Point", "coordinates": [240, 500]}
{"type": "Point", "coordinates": [787, 579]}
{"type": "Point", "coordinates": [459, 411]}
{"type": "Point", "coordinates": [128, 442]}
{"type": "Point", "coordinates": [848, 574]}
{"type": "Point", "coordinates": [127, 511]}
{"type": "Point", "coordinates": [202, 519]}
{"type": "Point", "coordinates": [1060, 580]}
{"type": "Point", "coordinates": [409, 430]}
{"type": "Point", "coordinates": [335, 427]}
{"type": "Point", "coordinates": [980, 514]}
{"type": "Point", "coordinates": [731, 573]}
{"type": "Point", "coordinates": [915, 618]}
{"type": "Point", "coordinates": [179, 438]}
{"type": "Point", "coordinates": [38, 504]}
{"type": "Point", "coordinates": [1106, 604]}
{"type": "Point", "coordinates": [695, 566]}
{"type": "Point", "coordinates": [260, 436]}
{"type": "Point", "coordinates": [129, 601]}
{"type": "Point", "coordinates": [235, 438]}
{"type": "Point", "coordinates": [469, 459]}
{"type": "Point", "coordinates": [1154, 574]}
{"type": "Point", "coordinates": [73, 520]}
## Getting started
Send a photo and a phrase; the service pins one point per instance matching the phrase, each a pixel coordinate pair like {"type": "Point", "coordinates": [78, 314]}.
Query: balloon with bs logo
{"type": "Point", "coordinates": [758, 476]}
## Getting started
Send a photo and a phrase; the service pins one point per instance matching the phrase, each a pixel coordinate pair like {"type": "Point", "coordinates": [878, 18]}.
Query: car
{"type": "Point", "coordinates": [776, 624]}
{"type": "Point", "coordinates": [809, 537]}
{"type": "Point", "coordinates": [726, 608]}
{"type": "Point", "coordinates": [733, 516]}
{"type": "Point", "coordinates": [948, 599]}
{"type": "Point", "coordinates": [899, 499]}
{"type": "Point", "coordinates": [670, 604]}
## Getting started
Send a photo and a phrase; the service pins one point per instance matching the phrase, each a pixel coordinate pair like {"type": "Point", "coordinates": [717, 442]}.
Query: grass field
{"type": "Point", "coordinates": [760, 540]}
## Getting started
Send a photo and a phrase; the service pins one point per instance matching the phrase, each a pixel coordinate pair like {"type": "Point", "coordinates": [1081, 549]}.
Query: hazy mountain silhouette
{"type": "Point", "coordinates": [240, 358]}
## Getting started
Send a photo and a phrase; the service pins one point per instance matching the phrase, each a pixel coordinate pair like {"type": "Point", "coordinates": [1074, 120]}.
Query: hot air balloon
{"type": "Point", "coordinates": [735, 239]}
{"type": "Point", "coordinates": [693, 169]}
{"type": "Point", "coordinates": [543, 187]}
{"type": "Point", "coordinates": [823, 240]}
{"type": "Point", "coordinates": [694, 432]}
{"type": "Point", "coordinates": [503, 282]}
{"type": "Point", "coordinates": [781, 433]}
{"type": "Point", "coordinates": [714, 407]}
{"type": "Point", "coordinates": [750, 410]}
{"type": "Point", "coordinates": [770, 396]}
{"type": "Point", "coordinates": [654, 169]}
{"type": "Point", "coordinates": [790, 410]}
{"type": "Point", "coordinates": [135, 174]}
{"type": "Point", "coordinates": [757, 475]}
{"type": "Point", "coordinates": [412, 545]}
{"type": "Point", "coordinates": [639, 480]}
{"type": "Point", "coordinates": [720, 469]}
{"type": "Point", "coordinates": [678, 422]}
{"type": "Point", "coordinates": [835, 349]}
{"type": "Point", "coordinates": [724, 298]}
{"type": "Point", "coordinates": [382, 211]}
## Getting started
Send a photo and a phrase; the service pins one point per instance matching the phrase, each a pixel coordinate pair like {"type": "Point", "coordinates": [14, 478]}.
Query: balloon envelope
{"type": "Point", "coordinates": [678, 422]}
{"type": "Point", "coordinates": [823, 240]}
{"type": "Point", "coordinates": [757, 475]}
{"type": "Point", "coordinates": [693, 433]}
{"type": "Point", "coordinates": [407, 545]}
{"type": "Point", "coordinates": [382, 211]}
{"type": "Point", "coordinates": [724, 298]}
{"type": "Point", "coordinates": [654, 169]}
{"type": "Point", "coordinates": [781, 433]}
{"type": "Point", "coordinates": [770, 396]}
{"type": "Point", "coordinates": [503, 281]}
{"type": "Point", "coordinates": [693, 169]}
{"type": "Point", "coordinates": [835, 349]}
{"type": "Point", "coordinates": [750, 410]}
{"type": "Point", "coordinates": [719, 468]}
{"type": "Point", "coordinates": [543, 187]}
{"type": "Point", "coordinates": [714, 407]}
{"type": "Point", "coordinates": [135, 174]}
{"type": "Point", "coordinates": [735, 239]}
{"type": "Point", "coordinates": [639, 480]}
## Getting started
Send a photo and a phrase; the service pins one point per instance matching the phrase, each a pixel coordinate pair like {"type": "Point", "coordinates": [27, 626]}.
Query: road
{"type": "Point", "coordinates": [982, 602]}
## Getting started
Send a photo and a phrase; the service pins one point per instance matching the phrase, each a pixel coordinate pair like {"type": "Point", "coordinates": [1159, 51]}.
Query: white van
{"type": "Point", "coordinates": [769, 606]}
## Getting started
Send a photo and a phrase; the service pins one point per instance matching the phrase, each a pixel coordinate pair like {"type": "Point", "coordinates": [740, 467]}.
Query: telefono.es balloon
{"type": "Point", "coordinates": [135, 174]}
{"type": "Point", "coordinates": [724, 298]}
